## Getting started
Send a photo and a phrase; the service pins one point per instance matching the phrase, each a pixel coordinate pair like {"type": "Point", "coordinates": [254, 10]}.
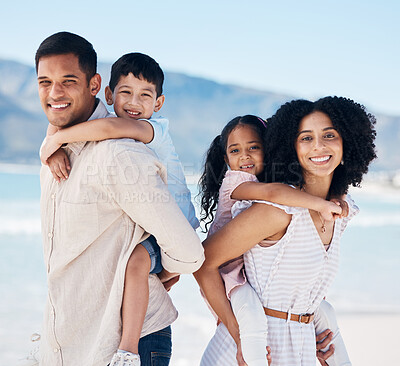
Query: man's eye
{"type": "Point", "coordinates": [44, 82]}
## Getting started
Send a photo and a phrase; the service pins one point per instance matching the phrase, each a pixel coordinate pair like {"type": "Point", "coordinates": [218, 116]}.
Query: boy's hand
{"type": "Point", "coordinates": [343, 205]}
{"type": "Point", "coordinates": [330, 210]}
{"type": "Point", "coordinates": [50, 146]}
{"type": "Point", "coordinates": [59, 165]}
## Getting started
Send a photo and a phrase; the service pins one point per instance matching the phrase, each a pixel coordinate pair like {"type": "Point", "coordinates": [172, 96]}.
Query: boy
{"type": "Point", "coordinates": [135, 89]}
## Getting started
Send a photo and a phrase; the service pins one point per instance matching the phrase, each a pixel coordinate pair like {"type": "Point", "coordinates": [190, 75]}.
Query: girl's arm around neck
{"type": "Point", "coordinates": [235, 238]}
{"type": "Point", "coordinates": [107, 128]}
{"type": "Point", "coordinates": [285, 195]}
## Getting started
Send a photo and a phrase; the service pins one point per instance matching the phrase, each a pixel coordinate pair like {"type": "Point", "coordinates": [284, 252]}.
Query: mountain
{"type": "Point", "coordinates": [197, 109]}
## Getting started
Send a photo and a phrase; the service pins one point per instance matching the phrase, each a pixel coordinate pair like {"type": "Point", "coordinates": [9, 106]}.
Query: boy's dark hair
{"type": "Point", "coordinates": [350, 119]}
{"type": "Point", "coordinates": [141, 66]}
{"type": "Point", "coordinates": [215, 166]}
{"type": "Point", "coordinates": [63, 43]}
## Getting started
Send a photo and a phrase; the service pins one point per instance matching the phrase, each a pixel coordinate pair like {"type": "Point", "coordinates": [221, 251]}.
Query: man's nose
{"type": "Point", "coordinates": [56, 91]}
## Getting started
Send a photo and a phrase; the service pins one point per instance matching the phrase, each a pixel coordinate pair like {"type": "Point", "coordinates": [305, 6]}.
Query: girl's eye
{"type": "Point", "coordinates": [254, 147]}
{"type": "Point", "coordinates": [234, 151]}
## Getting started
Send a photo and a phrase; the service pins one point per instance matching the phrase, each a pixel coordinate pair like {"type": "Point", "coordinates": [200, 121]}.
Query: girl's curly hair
{"type": "Point", "coordinates": [215, 166]}
{"type": "Point", "coordinates": [354, 124]}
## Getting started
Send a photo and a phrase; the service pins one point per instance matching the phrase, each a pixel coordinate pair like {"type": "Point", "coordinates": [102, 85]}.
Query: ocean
{"type": "Point", "coordinates": [368, 279]}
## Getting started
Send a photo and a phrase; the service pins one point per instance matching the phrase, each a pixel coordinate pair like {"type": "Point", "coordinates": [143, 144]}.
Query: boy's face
{"type": "Point", "coordinates": [134, 98]}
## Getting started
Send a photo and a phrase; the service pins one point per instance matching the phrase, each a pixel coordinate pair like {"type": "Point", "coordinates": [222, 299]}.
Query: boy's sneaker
{"type": "Point", "coordinates": [125, 359]}
{"type": "Point", "coordinates": [33, 358]}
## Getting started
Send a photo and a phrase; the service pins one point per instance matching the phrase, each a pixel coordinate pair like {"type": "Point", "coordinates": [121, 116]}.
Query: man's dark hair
{"type": "Point", "coordinates": [63, 43]}
{"type": "Point", "coordinates": [141, 66]}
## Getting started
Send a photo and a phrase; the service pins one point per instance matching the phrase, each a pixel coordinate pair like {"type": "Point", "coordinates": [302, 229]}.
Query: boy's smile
{"type": "Point", "coordinates": [134, 98]}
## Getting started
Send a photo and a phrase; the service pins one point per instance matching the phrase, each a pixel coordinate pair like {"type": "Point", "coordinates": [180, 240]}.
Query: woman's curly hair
{"type": "Point", "coordinates": [354, 124]}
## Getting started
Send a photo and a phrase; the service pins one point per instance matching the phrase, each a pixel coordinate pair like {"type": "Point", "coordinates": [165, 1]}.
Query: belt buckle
{"type": "Point", "coordinates": [301, 315]}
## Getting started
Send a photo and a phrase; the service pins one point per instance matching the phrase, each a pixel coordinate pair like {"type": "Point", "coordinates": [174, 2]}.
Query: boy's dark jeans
{"type": "Point", "coordinates": [155, 349]}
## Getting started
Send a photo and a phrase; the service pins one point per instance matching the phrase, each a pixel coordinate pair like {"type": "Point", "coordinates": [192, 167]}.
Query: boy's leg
{"type": "Point", "coordinates": [136, 298]}
{"type": "Point", "coordinates": [252, 322]}
{"type": "Point", "coordinates": [156, 348]}
{"type": "Point", "coordinates": [325, 318]}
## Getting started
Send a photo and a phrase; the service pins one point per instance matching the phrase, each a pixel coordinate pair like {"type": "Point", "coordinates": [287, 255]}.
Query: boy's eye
{"type": "Point", "coordinates": [124, 92]}
{"type": "Point", "coordinates": [146, 95]}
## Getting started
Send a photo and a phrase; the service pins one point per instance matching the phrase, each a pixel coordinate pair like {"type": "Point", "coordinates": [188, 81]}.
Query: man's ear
{"type": "Point", "coordinates": [108, 95]}
{"type": "Point", "coordinates": [159, 103]}
{"type": "Point", "coordinates": [95, 84]}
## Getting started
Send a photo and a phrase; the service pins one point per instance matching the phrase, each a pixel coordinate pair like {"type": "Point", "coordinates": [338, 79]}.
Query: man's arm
{"type": "Point", "coordinates": [142, 194]}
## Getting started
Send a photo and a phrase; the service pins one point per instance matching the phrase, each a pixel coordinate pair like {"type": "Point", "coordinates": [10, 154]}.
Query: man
{"type": "Point", "coordinates": [91, 222]}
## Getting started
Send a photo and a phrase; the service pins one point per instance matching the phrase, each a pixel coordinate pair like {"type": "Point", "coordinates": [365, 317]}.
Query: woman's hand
{"type": "Point", "coordinates": [240, 360]}
{"type": "Point", "coordinates": [323, 339]}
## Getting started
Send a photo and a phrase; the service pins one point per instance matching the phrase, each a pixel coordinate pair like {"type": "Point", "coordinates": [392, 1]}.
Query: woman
{"type": "Point", "coordinates": [321, 148]}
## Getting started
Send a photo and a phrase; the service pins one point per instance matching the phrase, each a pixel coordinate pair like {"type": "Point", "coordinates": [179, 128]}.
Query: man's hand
{"type": "Point", "coordinates": [323, 340]}
{"type": "Point", "coordinates": [343, 204]}
{"type": "Point", "coordinates": [59, 165]}
{"type": "Point", "coordinates": [169, 283]}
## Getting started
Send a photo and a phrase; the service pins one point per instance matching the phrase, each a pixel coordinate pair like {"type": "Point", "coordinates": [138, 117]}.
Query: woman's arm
{"type": "Point", "coordinates": [98, 130]}
{"type": "Point", "coordinates": [288, 196]}
{"type": "Point", "coordinates": [258, 222]}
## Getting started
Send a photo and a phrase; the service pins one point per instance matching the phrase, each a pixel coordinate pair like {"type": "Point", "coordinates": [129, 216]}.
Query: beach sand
{"type": "Point", "coordinates": [371, 338]}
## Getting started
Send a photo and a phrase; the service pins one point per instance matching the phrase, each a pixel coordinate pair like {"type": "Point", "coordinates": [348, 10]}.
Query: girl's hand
{"type": "Point", "coordinates": [343, 205]}
{"type": "Point", "coordinates": [49, 147]}
{"type": "Point", "coordinates": [59, 165]}
{"type": "Point", "coordinates": [330, 210]}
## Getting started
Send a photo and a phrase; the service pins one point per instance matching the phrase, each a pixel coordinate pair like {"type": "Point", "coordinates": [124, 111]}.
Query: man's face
{"type": "Point", "coordinates": [64, 92]}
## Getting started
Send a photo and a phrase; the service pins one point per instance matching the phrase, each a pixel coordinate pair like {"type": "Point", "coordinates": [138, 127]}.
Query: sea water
{"type": "Point", "coordinates": [368, 278]}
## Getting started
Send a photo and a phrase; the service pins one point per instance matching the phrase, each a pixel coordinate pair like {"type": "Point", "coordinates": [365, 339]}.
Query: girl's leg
{"type": "Point", "coordinates": [136, 298]}
{"type": "Point", "coordinates": [252, 322]}
{"type": "Point", "coordinates": [325, 318]}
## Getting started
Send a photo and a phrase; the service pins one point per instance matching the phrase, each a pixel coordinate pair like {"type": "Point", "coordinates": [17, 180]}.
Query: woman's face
{"type": "Point", "coordinates": [318, 145]}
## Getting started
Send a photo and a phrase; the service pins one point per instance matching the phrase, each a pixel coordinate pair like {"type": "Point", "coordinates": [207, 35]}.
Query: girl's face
{"type": "Point", "coordinates": [244, 150]}
{"type": "Point", "coordinates": [318, 145]}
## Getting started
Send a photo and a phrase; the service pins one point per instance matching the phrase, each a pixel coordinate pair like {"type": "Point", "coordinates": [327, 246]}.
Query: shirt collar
{"type": "Point", "coordinates": [100, 112]}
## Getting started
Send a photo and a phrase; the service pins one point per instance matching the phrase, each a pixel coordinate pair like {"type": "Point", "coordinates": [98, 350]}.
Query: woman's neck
{"type": "Point", "coordinates": [318, 186]}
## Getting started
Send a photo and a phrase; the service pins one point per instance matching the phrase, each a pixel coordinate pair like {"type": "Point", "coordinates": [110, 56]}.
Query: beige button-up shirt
{"type": "Point", "coordinates": [114, 196]}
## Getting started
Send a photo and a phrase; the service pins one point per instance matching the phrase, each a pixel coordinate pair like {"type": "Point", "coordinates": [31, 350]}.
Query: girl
{"type": "Point", "coordinates": [240, 148]}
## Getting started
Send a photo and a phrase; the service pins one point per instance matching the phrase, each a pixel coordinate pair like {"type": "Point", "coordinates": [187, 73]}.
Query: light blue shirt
{"type": "Point", "coordinates": [163, 147]}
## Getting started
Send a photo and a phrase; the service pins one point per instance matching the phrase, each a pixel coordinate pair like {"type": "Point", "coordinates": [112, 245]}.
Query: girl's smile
{"type": "Point", "coordinates": [245, 150]}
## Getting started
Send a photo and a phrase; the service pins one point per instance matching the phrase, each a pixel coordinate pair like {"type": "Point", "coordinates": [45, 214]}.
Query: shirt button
{"type": "Point", "coordinates": [50, 235]}
{"type": "Point", "coordinates": [53, 196]}
{"type": "Point", "coordinates": [55, 350]}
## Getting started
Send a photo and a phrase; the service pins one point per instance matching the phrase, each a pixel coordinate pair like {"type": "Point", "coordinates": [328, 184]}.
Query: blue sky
{"type": "Point", "coordinates": [304, 48]}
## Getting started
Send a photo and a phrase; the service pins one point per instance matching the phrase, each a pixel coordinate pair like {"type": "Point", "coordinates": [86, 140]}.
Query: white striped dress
{"type": "Point", "coordinates": [291, 276]}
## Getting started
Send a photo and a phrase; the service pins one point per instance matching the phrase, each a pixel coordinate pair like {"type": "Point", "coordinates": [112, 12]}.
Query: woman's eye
{"type": "Point", "coordinates": [306, 138]}
{"type": "Point", "coordinates": [329, 135]}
